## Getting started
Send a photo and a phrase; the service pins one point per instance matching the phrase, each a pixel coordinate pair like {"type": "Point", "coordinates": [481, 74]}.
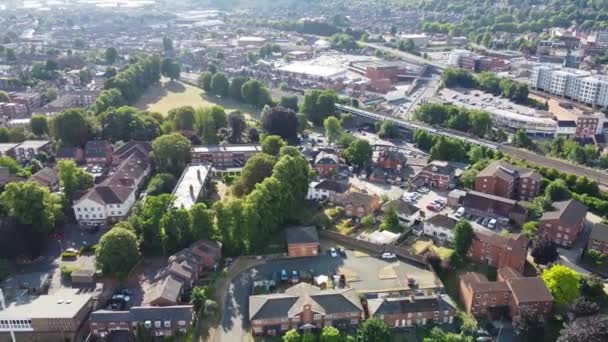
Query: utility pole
{"type": "Point", "coordinates": [3, 306]}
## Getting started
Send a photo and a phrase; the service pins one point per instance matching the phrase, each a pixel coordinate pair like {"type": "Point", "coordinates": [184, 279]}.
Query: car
{"type": "Point", "coordinates": [492, 224]}
{"type": "Point", "coordinates": [432, 207]}
{"type": "Point", "coordinates": [424, 190]}
{"type": "Point", "coordinates": [485, 221]}
{"type": "Point", "coordinates": [342, 251]}
{"type": "Point", "coordinates": [479, 220]}
{"type": "Point", "coordinates": [295, 276]}
{"type": "Point", "coordinates": [388, 256]}
{"type": "Point", "coordinates": [459, 212]}
{"type": "Point", "coordinates": [71, 250]}
{"type": "Point", "coordinates": [126, 292]}
{"type": "Point", "coordinates": [283, 275]}
{"type": "Point", "coordinates": [419, 292]}
{"type": "Point", "coordinates": [333, 253]}
{"type": "Point", "coordinates": [440, 201]}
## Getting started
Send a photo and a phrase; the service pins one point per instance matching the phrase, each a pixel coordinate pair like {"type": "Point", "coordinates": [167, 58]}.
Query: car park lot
{"type": "Point", "coordinates": [363, 272]}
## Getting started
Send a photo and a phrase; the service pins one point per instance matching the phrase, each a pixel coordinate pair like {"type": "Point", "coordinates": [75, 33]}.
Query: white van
{"type": "Point", "coordinates": [459, 212]}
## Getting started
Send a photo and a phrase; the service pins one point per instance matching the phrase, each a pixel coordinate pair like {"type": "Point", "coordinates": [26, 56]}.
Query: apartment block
{"type": "Point", "coordinates": [563, 223]}
{"type": "Point", "coordinates": [499, 251]}
{"type": "Point", "coordinates": [505, 180]}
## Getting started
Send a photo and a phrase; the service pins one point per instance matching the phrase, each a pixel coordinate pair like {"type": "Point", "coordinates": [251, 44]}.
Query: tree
{"type": "Point", "coordinates": [319, 104]}
{"type": "Point", "coordinates": [107, 99]}
{"type": "Point", "coordinates": [359, 152]}
{"type": "Point", "coordinates": [39, 125]}
{"type": "Point", "coordinates": [374, 330]}
{"type": "Point", "coordinates": [271, 144]}
{"type": "Point", "coordinates": [257, 168]}
{"type": "Point", "coordinates": [161, 183]}
{"type": "Point", "coordinates": [463, 236]}
{"type": "Point", "coordinates": [176, 230]}
{"type": "Point", "coordinates": [254, 93]}
{"type": "Point", "coordinates": [198, 297]}
{"type": "Point", "coordinates": [72, 127]}
{"type": "Point", "coordinates": [167, 44]}
{"type": "Point", "coordinates": [390, 221]}
{"type": "Point", "coordinates": [235, 88]}
{"type": "Point", "coordinates": [544, 251]}
{"type": "Point", "coordinates": [236, 124]}
{"type": "Point", "coordinates": [128, 123]}
{"type": "Point", "coordinates": [220, 85]}
{"type": "Point", "coordinates": [72, 178]}
{"type": "Point", "coordinates": [388, 130]}
{"type": "Point", "coordinates": [308, 337]}
{"type": "Point", "coordinates": [521, 139]}
{"type": "Point", "coordinates": [529, 325]}
{"type": "Point", "coordinates": [171, 69]}
{"type": "Point", "coordinates": [253, 135]}
{"type": "Point", "coordinates": [280, 121]}
{"type": "Point", "coordinates": [202, 222]}
{"type": "Point", "coordinates": [423, 140]}
{"type": "Point", "coordinates": [345, 140]}
{"type": "Point", "coordinates": [117, 252]}
{"type": "Point", "coordinates": [457, 77]}
{"type": "Point", "coordinates": [182, 118]}
{"type": "Point", "coordinates": [11, 164]}
{"type": "Point", "coordinates": [592, 288]}
{"type": "Point", "coordinates": [4, 97]}
{"type": "Point", "coordinates": [581, 307]}
{"type": "Point", "coordinates": [530, 229]}
{"type": "Point", "coordinates": [596, 257]}
{"type": "Point", "coordinates": [557, 191]}
{"type": "Point", "coordinates": [562, 282]}
{"type": "Point", "coordinates": [289, 102]}
{"type": "Point", "coordinates": [204, 81]}
{"type": "Point", "coordinates": [32, 205]}
{"type": "Point", "coordinates": [292, 336]}
{"type": "Point", "coordinates": [438, 335]}
{"type": "Point", "coordinates": [330, 334]}
{"type": "Point", "coordinates": [111, 55]}
{"type": "Point", "coordinates": [333, 128]}
{"type": "Point", "coordinates": [171, 153]}
{"type": "Point", "coordinates": [593, 328]}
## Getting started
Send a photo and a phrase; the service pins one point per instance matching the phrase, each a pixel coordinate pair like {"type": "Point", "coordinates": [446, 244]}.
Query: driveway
{"type": "Point", "coordinates": [372, 273]}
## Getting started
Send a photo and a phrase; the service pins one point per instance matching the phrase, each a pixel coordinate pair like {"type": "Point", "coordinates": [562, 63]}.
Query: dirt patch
{"type": "Point", "coordinates": [421, 246]}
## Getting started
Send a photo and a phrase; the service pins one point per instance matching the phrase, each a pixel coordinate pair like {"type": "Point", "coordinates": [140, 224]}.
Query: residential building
{"type": "Point", "coordinates": [509, 294]}
{"type": "Point", "coordinates": [222, 157]}
{"type": "Point", "coordinates": [499, 251]}
{"type": "Point", "coordinates": [98, 152]}
{"type": "Point", "coordinates": [304, 307]}
{"type": "Point", "coordinates": [505, 180]}
{"type": "Point", "coordinates": [412, 311]}
{"type": "Point", "coordinates": [563, 223]}
{"type": "Point", "coordinates": [390, 159]}
{"type": "Point", "coordinates": [475, 62]}
{"type": "Point", "coordinates": [51, 317]}
{"type": "Point", "coordinates": [575, 122]}
{"type": "Point", "coordinates": [408, 213]}
{"type": "Point", "coordinates": [437, 174]}
{"type": "Point", "coordinates": [598, 239]}
{"type": "Point", "coordinates": [27, 150]}
{"type": "Point", "coordinates": [326, 163]}
{"type": "Point", "coordinates": [162, 321]}
{"type": "Point", "coordinates": [570, 83]}
{"type": "Point", "coordinates": [302, 241]}
{"type": "Point", "coordinates": [440, 227]}
{"type": "Point", "coordinates": [47, 177]}
{"type": "Point", "coordinates": [482, 204]}
{"type": "Point", "coordinates": [419, 40]}
{"type": "Point", "coordinates": [358, 204]}
{"type": "Point", "coordinates": [191, 186]}
{"type": "Point", "coordinates": [70, 153]}
{"type": "Point", "coordinates": [247, 41]}
{"type": "Point", "coordinates": [327, 189]}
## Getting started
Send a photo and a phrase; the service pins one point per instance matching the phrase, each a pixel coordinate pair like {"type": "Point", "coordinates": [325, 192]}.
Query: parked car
{"type": "Point", "coordinates": [283, 275]}
{"type": "Point", "coordinates": [424, 190]}
{"type": "Point", "coordinates": [440, 201]}
{"type": "Point", "coordinates": [342, 252]}
{"type": "Point", "coordinates": [459, 212]}
{"type": "Point", "coordinates": [295, 276]}
{"type": "Point", "coordinates": [492, 224]}
{"type": "Point", "coordinates": [485, 221]}
{"type": "Point", "coordinates": [332, 252]}
{"type": "Point", "coordinates": [433, 207]}
{"type": "Point", "coordinates": [388, 256]}
{"type": "Point", "coordinates": [479, 220]}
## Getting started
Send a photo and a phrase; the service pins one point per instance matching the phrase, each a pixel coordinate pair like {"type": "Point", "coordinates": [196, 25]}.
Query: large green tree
{"type": "Point", "coordinates": [333, 128]}
{"type": "Point", "coordinates": [32, 205]}
{"type": "Point", "coordinates": [374, 330]}
{"type": "Point", "coordinates": [319, 104]}
{"type": "Point", "coordinates": [463, 235]}
{"type": "Point", "coordinates": [271, 144]}
{"type": "Point", "coordinates": [220, 85]}
{"type": "Point", "coordinates": [359, 152]}
{"type": "Point", "coordinates": [72, 127]}
{"type": "Point", "coordinates": [204, 81]}
{"type": "Point", "coordinates": [255, 93]}
{"type": "Point", "coordinates": [183, 118]}
{"type": "Point", "coordinates": [280, 121]}
{"type": "Point", "coordinates": [117, 252]}
{"type": "Point", "coordinates": [171, 68]}
{"type": "Point", "coordinates": [202, 222]}
{"type": "Point", "coordinates": [257, 168]}
{"type": "Point", "coordinates": [161, 183]}
{"type": "Point", "coordinates": [72, 178]}
{"type": "Point", "coordinates": [235, 88]}
{"type": "Point", "coordinates": [563, 283]}
{"type": "Point", "coordinates": [171, 152]}
{"type": "Point", "coordinates": [39, 125]}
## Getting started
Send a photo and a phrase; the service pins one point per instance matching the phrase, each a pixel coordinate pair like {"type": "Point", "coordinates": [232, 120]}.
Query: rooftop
{"type": "Point", "coordinates": [65, 303]}
{"type": "Point", "coordinates": [189, 186]}
{"type": "Point", "coordinates": [298, 235]}
{"type": "Point", "coordinates": [570, 212]}
{"type": "Point", "coordinates": [226, 148]}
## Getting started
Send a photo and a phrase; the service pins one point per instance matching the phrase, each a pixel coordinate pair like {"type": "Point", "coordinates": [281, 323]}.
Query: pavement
{"type": "Point", "coordinates": [234, 324]}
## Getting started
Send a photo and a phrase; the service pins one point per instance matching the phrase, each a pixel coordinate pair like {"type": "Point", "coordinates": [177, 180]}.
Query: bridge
{"type": "Point", "coordinates": [415, 126]}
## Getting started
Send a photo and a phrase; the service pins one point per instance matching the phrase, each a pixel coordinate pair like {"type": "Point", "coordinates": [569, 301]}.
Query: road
{"type": "Point", "coordinates": [600, 176]}
{"type": "Point", "coordinates": [408, 57]}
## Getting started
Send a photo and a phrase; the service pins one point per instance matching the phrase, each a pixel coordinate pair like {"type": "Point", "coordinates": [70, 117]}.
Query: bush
{"type": "Point", "coordinates": [66, 271]}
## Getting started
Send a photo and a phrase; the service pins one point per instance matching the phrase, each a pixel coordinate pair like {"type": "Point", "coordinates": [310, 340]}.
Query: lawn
{"type": "Point", "coordinates": [166, 95]}
{"type": "Point", "coordinates": [443, 252]}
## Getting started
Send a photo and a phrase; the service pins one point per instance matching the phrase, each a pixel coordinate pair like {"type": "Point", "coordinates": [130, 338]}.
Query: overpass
{"type": "Point", "coordinates": [415, 126]}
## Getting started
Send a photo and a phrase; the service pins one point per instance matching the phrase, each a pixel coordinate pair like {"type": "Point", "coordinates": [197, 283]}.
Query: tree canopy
{"type": "Point", "coordinates": [171, 153]}
{"type": "Point", "coordinates": [117, 252]}
{"type": "Point", "coordinates": [359, 152]}
{"type": "Point", "coordinates": [563, 283]}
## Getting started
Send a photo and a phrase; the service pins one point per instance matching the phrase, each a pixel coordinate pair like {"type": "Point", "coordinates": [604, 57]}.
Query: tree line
{"type": "Point", "coordinates": [476, 122]}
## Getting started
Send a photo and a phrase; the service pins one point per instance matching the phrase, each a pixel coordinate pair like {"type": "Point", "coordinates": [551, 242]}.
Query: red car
{"type": "Point", "coordinates": [432, 207]}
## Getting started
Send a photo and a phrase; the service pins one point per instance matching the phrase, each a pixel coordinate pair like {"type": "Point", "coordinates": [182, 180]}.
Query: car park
{"type": "Point", "coordinates": [485, 221]}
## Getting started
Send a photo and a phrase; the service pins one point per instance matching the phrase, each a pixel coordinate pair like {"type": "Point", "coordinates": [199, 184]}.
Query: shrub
{"type": "Point", "coordinates": [66, 271]}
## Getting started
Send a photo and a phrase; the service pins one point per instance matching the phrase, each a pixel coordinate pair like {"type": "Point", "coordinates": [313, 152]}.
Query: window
{"type": "Point", "coordinates": [167, 324]}
{"type": "Point", "coordinates": [85, 209]}
{"type": "Point", "coordinates": [354, 321]}
{"type": "Point", "coordinates": [436, 313]}
{"type": "Point", "coordinates": [317, 316]}
{"type": "Point", "coordinates": [181, 322]}
{"type": "Point", "coordinates": [78, 209]}
{"type": "Point", "coordinates": [79, 216]}
{"type": "Point", "coordinates": [157, 324]}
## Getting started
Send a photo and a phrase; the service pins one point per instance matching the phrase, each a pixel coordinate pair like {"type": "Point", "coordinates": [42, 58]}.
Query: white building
{"type": "Point", "coordinates": [326, 189]}
{"type": "Point", "coordinates": [190, 186]}
{"type": "Point", "coordinates": [571, 83]}
{"type": "Point", "coordinates": [440, 227]}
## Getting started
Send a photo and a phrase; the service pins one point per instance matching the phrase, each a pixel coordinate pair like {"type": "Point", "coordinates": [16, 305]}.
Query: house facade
{"type": "Point", "coordinates": [221, 157]}
{"type": "Point", "coordinates": [563, 223]}
{"type": "Point", "coordinates": [437, 174]}
{"type": "Point", "coordinates": [413, 311]}
{"type": "Point", "coordinates": [304, 307]}
{"type": "Point", "coordinates": [302, 241]}
{"type": "Point", "coordinates": [440, 227]}
{"type": "Point", "coordinates": [27, 150]}
{"type": "Point", "coordinates": [483, 204]}
{"type": "Point", "coordinates": [326, 164]}
{"type": "Point", "coordinates": [499, 251]}
{"type": "Point", "coordinates": [407, 213]}
{"type": "Point", "coordinates": [327, 189]}
{"type": "Point", "coordinates": [358, 204]}
{"type": "Point", "coordinates": [598, 239]}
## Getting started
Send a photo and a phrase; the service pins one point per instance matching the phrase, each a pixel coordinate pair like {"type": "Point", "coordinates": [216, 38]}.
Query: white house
{"type": "Point", "coordinates": [408, 213]}
{"type": "Point", "coordinates": [104, 203]}
{"type": "Point", "coordinates": [326, 189]}
{"type": "Point", "coordinates": [440, 227]}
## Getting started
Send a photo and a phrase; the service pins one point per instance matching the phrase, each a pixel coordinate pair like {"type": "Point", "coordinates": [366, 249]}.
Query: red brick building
{"type": "Point", "coordinates": [413, 311]}
{"type": "Point", "coordinates": [359, 204]}
{"type": "Point", "coordinates": [326, 163]}
{"type": "Point", "coordinates": [302, 241]}
{"type": "Point", "coordinates": [598, 239]}
{"type": "Point", "coordinates": [304, 307]}
{"type": "Point", "coordinates": [505, 180]}
{"type": "Point", "coordinates": [437, 174]}
{"type": "Point", "coordinates": [482, 204]}
{"type": "Point", "coordinates": [563, 223]}
{"type": "Point", "coordinates": [390, 159]}
{"type": "Point", "coordinates": [499, 251]}
{"type": "Point", "coordinates": [509, 294]}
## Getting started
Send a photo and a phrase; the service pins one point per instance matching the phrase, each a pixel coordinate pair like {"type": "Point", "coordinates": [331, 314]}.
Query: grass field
{"type": "Point", "coordinates": [166, 95]}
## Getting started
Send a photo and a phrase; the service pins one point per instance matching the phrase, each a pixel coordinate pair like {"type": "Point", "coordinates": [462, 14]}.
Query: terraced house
{"type": "Point", "coordinates": [304, 307]}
